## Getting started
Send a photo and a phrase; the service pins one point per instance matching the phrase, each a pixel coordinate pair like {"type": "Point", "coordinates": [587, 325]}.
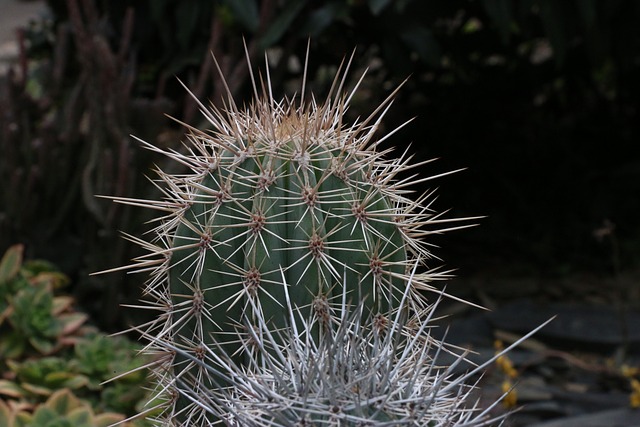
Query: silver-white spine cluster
{"type": "Point", "coordinates": [233, 345]}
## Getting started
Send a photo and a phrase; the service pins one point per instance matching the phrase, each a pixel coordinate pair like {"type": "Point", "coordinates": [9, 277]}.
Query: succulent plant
{"type": "Point", "coordinates": [44, 348]}
{"type": "Point", "coordinates": [45, 375]}
{"type": "Point", "coordinates": [86, 372]}
{"type": "Point", "coordinates": [286, 222]}
{"type": "Point", "coordinates": [63, 409]}
{"type": "Point", "coordinates": [32, 318]}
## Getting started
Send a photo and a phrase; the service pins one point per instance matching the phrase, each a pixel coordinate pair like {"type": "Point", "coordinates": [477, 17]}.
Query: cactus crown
{"type": "Point", "coordinates": [288, 268]}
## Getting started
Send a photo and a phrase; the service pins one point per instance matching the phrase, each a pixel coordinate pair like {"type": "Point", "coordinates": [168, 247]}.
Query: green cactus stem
{"type": "Point", "coordinates": [282, 206]}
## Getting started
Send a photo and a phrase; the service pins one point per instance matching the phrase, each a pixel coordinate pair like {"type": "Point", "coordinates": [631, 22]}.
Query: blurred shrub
{"type": "Point", "coordinates": [62, 408]}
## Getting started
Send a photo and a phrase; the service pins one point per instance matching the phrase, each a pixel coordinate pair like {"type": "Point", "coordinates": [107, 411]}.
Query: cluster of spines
{"type": "Point", "coordinates": [234, 176]}
{"type": "Point", "coordinates": [363, 371]}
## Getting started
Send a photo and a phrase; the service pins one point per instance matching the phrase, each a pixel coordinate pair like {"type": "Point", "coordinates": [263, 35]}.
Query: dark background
{"type": "Point", "coordinates": [538, 99]}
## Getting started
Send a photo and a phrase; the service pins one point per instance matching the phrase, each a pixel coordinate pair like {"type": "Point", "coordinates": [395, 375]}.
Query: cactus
{"type": "Point", "coordinates": [362, 372]}
{"type": "Point", "coordinates": [289, 271]}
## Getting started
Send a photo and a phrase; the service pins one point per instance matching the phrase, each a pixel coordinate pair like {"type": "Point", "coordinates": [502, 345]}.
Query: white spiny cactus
{"type": "Point", "coordinates": [288, 271]}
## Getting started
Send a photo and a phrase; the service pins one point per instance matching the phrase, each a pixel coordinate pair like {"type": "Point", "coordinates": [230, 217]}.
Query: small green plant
{"type": "Point", "coordinates": [32, 319]}
{"type": "Point", "coordinates": [45, 375]}
{"type": "Point", "coordinates": [47, 348]}
{"type": "Point", "coordinates": [99, 356]}
{"type": "Point", "coordinates": [62, 409]}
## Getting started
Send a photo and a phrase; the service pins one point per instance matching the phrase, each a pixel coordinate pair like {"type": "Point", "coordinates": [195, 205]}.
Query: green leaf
{"type": "Point", "coordinates": [107, 419]}
{"type": "Point", "coordinates": [96, 355]}
{"type": "Point", "coordinates": [43, 345]}
{"type": "Point", "coordinates": [72, 321]}
{"type": "Point", "coordinates": [57, 380]}
{"type": "Point", "coordinates": [43, 416]}
{"type": "Point", "coordinates": [34, 370]}
{"type": "Point", "coordinates": [33, 318]}
{"type": "Point", "coordinates": [76, 381]}
{"type": "Point", "coordinates": [37, 390]}
{"type": "Point", "coordinates": [12, 345]}
{"type": "Point", "coordinates": [11, 389]}
{"type": "Point", "coordinates": [55, 279]}
{"type": "Point", "coordinates": [63, 402]}
{"type": "Point", "coordinates": [81, 417]}
{"type": "Point", "coordinates": [6, 415]}
{"type": "Point", "coordinates": [23, 419]}
{"type": "Point", "coordinates": [61, 303]}
{"type": "Point", "coordinates": [122, 397]}
{"type": "Point", "coordinates": [37, 266]}
{"type": "Point", "coordinates": [10, 263]}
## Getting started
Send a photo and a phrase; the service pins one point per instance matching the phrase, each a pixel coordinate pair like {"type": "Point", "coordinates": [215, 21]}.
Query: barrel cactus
{"type": "Point", "coordinates": [289, 269]}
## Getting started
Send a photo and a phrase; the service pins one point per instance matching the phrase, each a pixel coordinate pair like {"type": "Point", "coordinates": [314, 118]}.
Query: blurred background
{"type": "Point", "coordinates": [538, 99]}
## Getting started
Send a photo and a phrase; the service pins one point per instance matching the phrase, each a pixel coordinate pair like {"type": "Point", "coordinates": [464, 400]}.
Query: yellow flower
{"type": "Point", "coordinates": [628, 372]}
{"type": "Point", "coordinates": [511, 398]}
{"type": "Point", "coordinates": [503, 362]}
{"type": "Point", "coordinates": [634, 398]}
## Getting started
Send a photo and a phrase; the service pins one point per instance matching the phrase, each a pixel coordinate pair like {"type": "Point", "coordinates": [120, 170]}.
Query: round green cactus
{"type": "Point", "coordinates": [286, 217]}
{"type": "Point", "coordinates": [295, 198]}
{"type": "Point", "coordinates": [278, 194]}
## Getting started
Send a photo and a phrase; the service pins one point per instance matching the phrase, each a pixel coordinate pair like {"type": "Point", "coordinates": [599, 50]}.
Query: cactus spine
{"type": "Point", "coordinates": [284, 266]}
